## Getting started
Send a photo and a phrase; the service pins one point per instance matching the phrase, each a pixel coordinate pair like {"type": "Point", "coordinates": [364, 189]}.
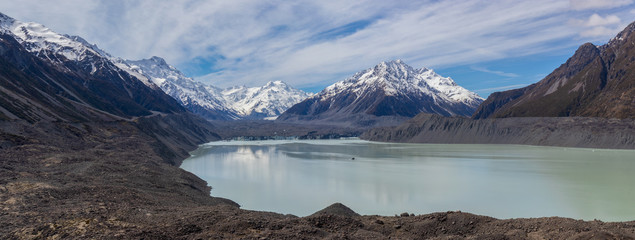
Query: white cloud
{"type": "Point", "coordinates": [599, 31]}
{"type": "Point", "coordinates": [597, 20]}
{"type": "Point", "coordinates": [499, 73]}
{"type": "Point", "coordinates": [598, 26]}
{"type": "Point", "coordinates": [253, 41]}
{"type": "Point", "coordinates": [598, 4]}
{"type": "Point", "coordinates": [469, 33]}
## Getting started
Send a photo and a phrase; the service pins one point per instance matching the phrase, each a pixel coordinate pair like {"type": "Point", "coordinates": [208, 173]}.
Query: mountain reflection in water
{"type": "Point", "coordinates": [503, 181]}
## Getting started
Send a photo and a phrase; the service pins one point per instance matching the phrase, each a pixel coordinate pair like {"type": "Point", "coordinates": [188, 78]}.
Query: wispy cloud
{"type": "Point", "coordinates": [312, 43]}
{"type": "Point", "coordinates": [598, 26]}
{"type": "Point", "coordinates": [499, 73]}
{"type": "Point", "coordinates": [597, 20]}
{"type": "Point", "coordinates": [598, 4]}
{"type": "Point", "coordinates": [599, 31]}
{"type": "Point", "coordinates": [421, 37]}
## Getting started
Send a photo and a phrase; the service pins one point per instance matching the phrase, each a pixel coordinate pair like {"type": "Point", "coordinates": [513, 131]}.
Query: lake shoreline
{"type": "Point", "coordinates": [111, 181]}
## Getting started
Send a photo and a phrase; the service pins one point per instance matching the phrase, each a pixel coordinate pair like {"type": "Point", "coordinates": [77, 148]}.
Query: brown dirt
{"type": "Point", "coordinates": [109, 182]}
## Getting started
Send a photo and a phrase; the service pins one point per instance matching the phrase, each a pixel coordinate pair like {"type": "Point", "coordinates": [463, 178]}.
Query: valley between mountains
{"type": "Point", "coordinates": [90, 144]}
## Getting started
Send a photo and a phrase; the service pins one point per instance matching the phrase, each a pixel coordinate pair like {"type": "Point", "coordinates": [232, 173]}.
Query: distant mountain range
{"type": "Point", "coordinates": [202, 99]}
{"type": "Point", "coordinates": [597, 81]}
{"type": "Point", "coordinates": [76, 54]}
{"type": "Point", "coordinates": [266, 102]}
{"type": "Point", "coordinates": [389, 92]}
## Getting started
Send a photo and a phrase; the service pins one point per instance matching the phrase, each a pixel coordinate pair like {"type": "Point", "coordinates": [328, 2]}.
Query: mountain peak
{"type": "Point", "coordinates": [276, 83]}
{"type": "Point", "coordinates": [627, 31]}
{"type": "Point", "coordinates": [158, 60]}
{"type": "Point", "coordinates": [388, 89]}
{"type": "Point", "coordinates": [594, 82]}
{"type": "Point", "coordinates": [160, 67]}
{"type": "Point", "coordinates": [392, 63]}
{"type": "Point", "coordinates": [5, 20]}
{"type": "Point", "coordinates": [393, 66]}
{"type": "Point", "coordinates": [624, 34]}
{"type": "Point", "coordinates": [582, 56]}
{"type": "Point", "coordinates": [389, 74]}
{"type": "Point", "coordinates": [266, 102]}
{"type": "Point", "coordinates": [210, 102]}
{"type": "Point", "coordinates": [396, 77]}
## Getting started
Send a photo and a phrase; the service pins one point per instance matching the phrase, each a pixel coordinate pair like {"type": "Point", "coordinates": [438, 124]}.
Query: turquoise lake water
{"type": "Point", "coordinates": [301, 177]}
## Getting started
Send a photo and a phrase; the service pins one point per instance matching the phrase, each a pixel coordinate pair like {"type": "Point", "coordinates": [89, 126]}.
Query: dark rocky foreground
{"type": "Point", "coordinates": [118, 180]}
{"type": "Point", "coordinates": [544, 131]}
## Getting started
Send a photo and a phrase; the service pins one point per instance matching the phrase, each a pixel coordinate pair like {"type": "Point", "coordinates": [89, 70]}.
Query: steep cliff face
{"type": "Point", "coordinates": [547, 131]}
{"type": "Point", "coordinates": [594, 82]}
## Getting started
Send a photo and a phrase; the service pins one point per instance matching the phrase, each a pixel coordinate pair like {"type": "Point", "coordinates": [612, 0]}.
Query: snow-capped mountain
{"type": "Point", "coordinates": [199, 98]}
{"type": "Point", "coordinates": [266, 102]}
{"type": "Point", "coordinates": [65, 79]}
{"type": "Point", "coordinates": [38, 39]}
{"type": "Point", "coordinates": [388, 89]}
{"type": "Point", "coordinates": [208, 101]}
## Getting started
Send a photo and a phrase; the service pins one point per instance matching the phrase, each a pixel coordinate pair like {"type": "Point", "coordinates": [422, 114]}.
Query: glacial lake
{"type": "Point", "coordinates": [301, 177]}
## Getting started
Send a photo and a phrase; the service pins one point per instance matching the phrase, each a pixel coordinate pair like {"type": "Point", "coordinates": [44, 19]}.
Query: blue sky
{"type": "Point", "coordinates": [485, 46]}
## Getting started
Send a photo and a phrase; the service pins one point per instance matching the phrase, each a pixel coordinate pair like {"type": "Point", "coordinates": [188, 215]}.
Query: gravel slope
{"type": "Point", "coordinates": [111, 181]}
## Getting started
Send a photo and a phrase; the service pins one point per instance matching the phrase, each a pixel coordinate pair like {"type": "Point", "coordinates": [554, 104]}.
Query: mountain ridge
{"type": "Point", "coordinates": [240, 102]}
{"type": "Point", "coordinates": [588, 101]}
{"type": "Point", "coordinates": [80, 71]}
{"type": "Point", "coordinates": [390, 89]}
{"type": "Point", "coordinates": [79, 166]}
{"type": "Point", "coordinates": [205, 100]}
{"type": "Point", "coordinates": [197, 97]}
{"type": "Point", "coordinates": [265, 102]}
{"type": "Point", "coordinates": [596, 81]}
{"type": "Point", "coordinates": [48, 80]}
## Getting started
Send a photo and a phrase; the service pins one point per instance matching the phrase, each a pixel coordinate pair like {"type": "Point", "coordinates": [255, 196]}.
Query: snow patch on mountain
{"type": "Point", "coordinates": [36, 38]}
{"type": "Point", "coordinates": [397, 78]}
{"type": "Point", "coordinates": [198, 97]}
{"type": "Point", "coordinates": [266, 102]}
{"type": "Point", "coordinates": [390, 89]}
{"type": "Point", "coordinates": [45, 43]}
